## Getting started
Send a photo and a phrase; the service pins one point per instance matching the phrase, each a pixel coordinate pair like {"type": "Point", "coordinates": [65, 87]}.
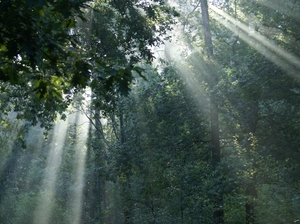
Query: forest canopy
{"type": "Point", "coordinates": [51, 49]}
{"type": "Point", "coordinates": [173, 111]}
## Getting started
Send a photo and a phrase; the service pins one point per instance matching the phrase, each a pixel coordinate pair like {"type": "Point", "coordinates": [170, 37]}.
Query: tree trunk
{"type": "Point", "coordinates": [206, 28]}
{"type": "Point", "coordinates": [250, 190]}
{"type": "Point", "coordinates": [249, 206]}
{"type": "Point", "coordinates": [215, 135]}
{"type": "Point", "coordinates": [126, 183]}
{"type": "Point", "coordinates": [214, 116]}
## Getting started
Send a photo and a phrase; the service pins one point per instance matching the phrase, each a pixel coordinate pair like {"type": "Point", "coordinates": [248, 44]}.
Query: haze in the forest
{"type": "Point", "coordinates": [132, 112]}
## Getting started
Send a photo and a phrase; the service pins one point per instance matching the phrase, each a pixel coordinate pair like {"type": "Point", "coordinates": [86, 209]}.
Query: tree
{"type": "Point", "coordinates": [47, 55]}
{"type": "Point", "coordinates": [165, 152]}
{"type": "Point", "coordinates": [250, 68]}
{"type": "Point", "coordinates": [211, 137]}
{"type": "Point", "coordinates": [214, 119]}
{"type": "Point", "coordinates": [245, 65]}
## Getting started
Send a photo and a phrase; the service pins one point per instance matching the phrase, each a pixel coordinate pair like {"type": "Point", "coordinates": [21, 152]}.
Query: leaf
{"type": "Point", "coordinates": [81, 75]}
{"type": "Point", "coordinates": [41, 88]}
{"type": "Point", "coordinates": [140, 71]}
{"type": "Point", "coordinates": [70, 22]}
{"type": "Point", "coordinates": [94, 84]}
{"type": "Point", "coordinates": [3, 48]}
{"type": "Point", "coordinates": [41, 12]}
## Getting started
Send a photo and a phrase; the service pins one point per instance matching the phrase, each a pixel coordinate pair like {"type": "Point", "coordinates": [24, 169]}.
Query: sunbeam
{"type": "Point", "coordinates": [287, 61]}
{"type": "Point", "coordinates": [47, 191]}
{"type": "Point", "coordinates": [82, 124]}
{"type": "Point", "coordinates": [8, 136]}
{"type": "Point", "coordinates": [192, 68]}
{"type": "Point", "coordinates": [187, 72]}
{"type": "Point", "coordinates": [282, 7]}
{"type": "Point", "coordinates": [55, 160]}
{"type": "Point", "coordinates": [150, 112]}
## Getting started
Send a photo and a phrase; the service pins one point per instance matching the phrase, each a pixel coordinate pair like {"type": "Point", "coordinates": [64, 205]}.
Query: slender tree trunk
{"type": "Point", "coordinates": [99, 189]}
{"type": "Point", "coordinates": [214, 116]}
{"type": "Point", "coordinates": [249, 206]}
{"type": "Point", "coordinates": [206, 28]}
{"type": "Point", "coordinates": [250, 189]}
{"type": "Point", "coordinates": [126, 184]}
{"type": "Point", "coordinates": [95, 183]}
{"type": "Point", "coordinates": [215, 135]}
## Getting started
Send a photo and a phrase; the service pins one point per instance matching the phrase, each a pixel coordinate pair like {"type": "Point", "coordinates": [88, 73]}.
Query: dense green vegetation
{"type": "Point", "coordinates": [201, 128]}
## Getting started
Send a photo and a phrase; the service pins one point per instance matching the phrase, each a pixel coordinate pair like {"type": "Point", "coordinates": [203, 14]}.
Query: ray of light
{"type": "Point", "coordinates": [54, 161]}
{"type": "Point", "coordinates": [287, 61]}
{"type": "Point", "coordinates": [281, 7]}
{"type": "Point", "coordinates": [44, 207]}
{"type": "Point", "coordinates": [187, 72]}
{"type": "Point", "coordinates": [10, 129]}
{"type": "Point", "coordinates": [82, 124]}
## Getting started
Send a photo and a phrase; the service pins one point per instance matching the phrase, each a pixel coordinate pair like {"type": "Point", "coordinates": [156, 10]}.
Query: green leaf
{"type": "Point", "coordinates": [41, 88]}
{"type": "Point", "coordinates": [70, 22]}
{"type": "Point", "coordinates": [3, 48]}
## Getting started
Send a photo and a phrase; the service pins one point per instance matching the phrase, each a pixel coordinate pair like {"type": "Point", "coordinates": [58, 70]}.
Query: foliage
{"type": "Point", "coordinates": [52, 49]}
{"type": "Point", "coordinates": [148, 154]}
{"type": "Point", "coordinates": [162, 157]}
